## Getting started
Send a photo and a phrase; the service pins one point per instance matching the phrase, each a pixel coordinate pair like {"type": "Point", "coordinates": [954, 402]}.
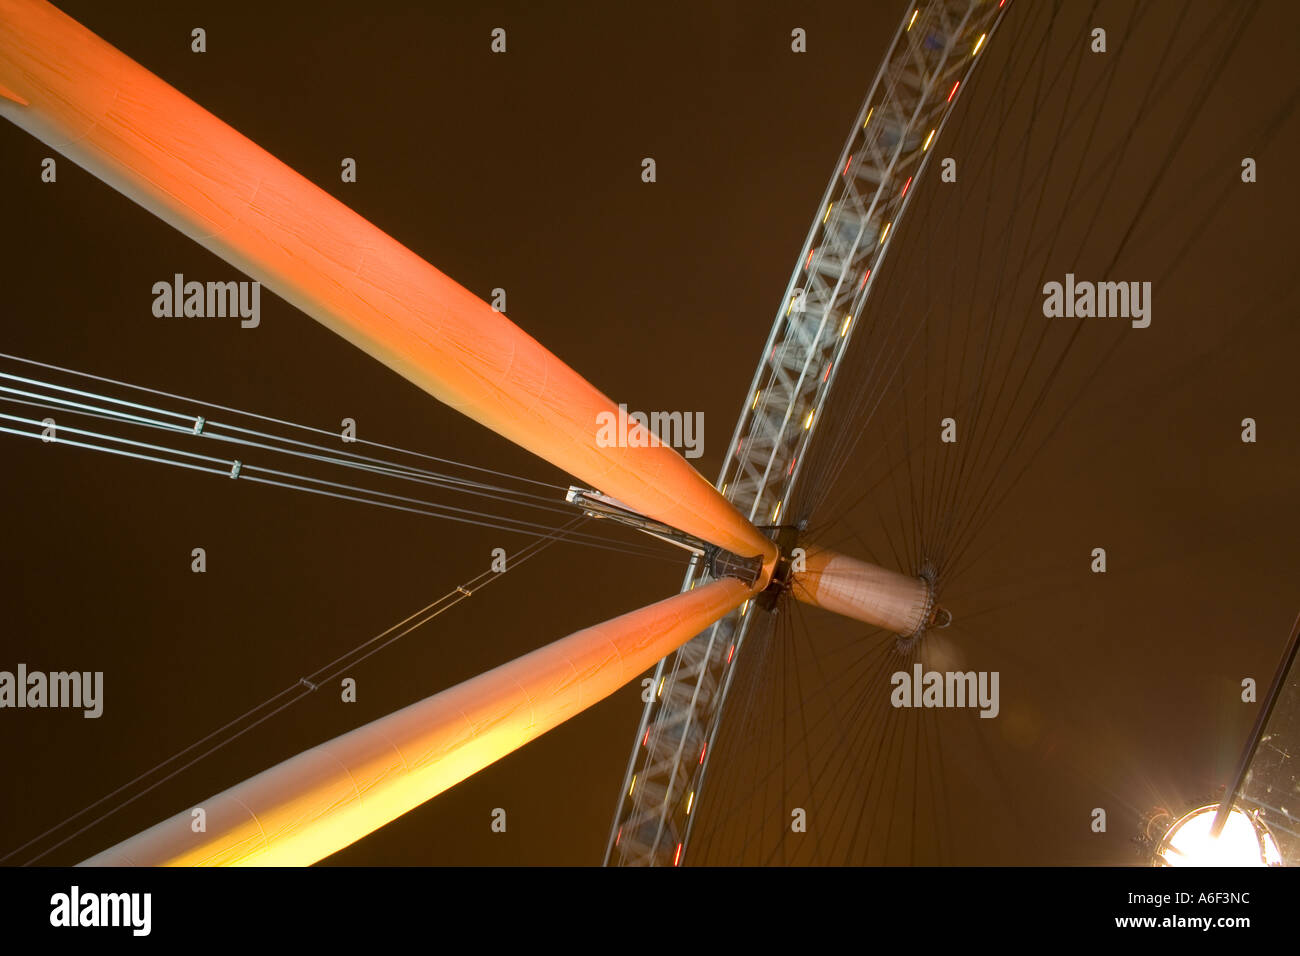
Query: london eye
{"type": "Point", "coordinates": [931, 473]}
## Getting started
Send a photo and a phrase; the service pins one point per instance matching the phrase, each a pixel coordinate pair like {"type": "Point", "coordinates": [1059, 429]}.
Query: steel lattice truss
{"type": "Point", "coordinates": [931, 56]}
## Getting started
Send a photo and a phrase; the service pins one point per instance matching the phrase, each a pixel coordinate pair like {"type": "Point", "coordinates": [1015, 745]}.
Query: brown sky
{"type": "Point", "coordinates": [522, 171]}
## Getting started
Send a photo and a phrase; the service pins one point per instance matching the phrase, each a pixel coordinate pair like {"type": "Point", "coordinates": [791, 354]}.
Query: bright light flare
{"type": "Point", "coordinates": [1242, 842]}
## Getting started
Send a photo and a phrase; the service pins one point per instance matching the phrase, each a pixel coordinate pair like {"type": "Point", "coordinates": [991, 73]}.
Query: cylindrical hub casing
{"type": "Point", "coordinates": [863, 591]}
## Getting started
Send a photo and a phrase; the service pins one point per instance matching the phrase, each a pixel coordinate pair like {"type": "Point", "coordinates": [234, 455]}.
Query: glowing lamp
{"type": "Point", "coordinates": [1244, 841]}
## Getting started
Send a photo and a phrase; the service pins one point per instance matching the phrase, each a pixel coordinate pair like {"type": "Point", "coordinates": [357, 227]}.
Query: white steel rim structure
{"type": "Point", "coordinates": [927, 65]}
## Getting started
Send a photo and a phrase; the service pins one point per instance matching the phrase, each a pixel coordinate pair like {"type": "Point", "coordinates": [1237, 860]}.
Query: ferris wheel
{"type": "Point", "coordinates": [758, 554]}
{"type": "Point", "coordinates": [933, 53]}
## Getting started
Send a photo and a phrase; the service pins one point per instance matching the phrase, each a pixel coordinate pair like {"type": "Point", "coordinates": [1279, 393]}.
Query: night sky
{"type": "Point", "coordinates": [522, 171]}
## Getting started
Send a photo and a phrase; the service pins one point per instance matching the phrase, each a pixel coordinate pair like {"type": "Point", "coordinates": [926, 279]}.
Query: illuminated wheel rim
{"type": "Point", "coordinates": [889, 147]}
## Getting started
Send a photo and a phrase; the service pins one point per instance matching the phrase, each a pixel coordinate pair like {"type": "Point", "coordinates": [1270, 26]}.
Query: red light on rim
{"type": "Point", "coordinates": [954, 90]}
{"type": "Point", "coordinates": [677, 857]}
